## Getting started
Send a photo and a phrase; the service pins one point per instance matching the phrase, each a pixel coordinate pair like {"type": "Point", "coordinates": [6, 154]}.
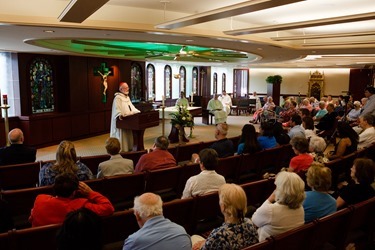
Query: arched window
{"type": "Point", "coordinates": [168, 82]}
{"type": "Point", "coordinates": [41, 84]}
{"type": "Point", "coordinates": [215, 84]}
{"type": "Point", "coordinates": [150, 88]}
{"type": "Point", "coordinates": [195, 81]}
{"type": "Point", "coordinates": [136, 83]}
{"type": "Point", "coordinates": [223, 82]}
{"type": "Point", "coordinates": [182, 79]}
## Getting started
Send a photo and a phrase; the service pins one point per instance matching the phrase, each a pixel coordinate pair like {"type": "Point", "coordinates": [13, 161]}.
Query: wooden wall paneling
{"type": "Point", "coordinates": [97, 122]}
{"type": "Point", "coordinates": [37, 130]}
{"type": "Point", "coordinates": [80, 125]}
{"type": "Point", "coordinates": [358, 80]}
{"type": "Point", "coordinates": [62, 129]}
{"type": "Point", "coordinates": [78, 85]}
{"type": "Point", "coordinates": [108, 115]}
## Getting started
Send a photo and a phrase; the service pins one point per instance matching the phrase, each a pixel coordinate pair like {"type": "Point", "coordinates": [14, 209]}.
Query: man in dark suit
{"type": "Point", "coordinates": [327, 122]}
{"type": "Point", "coordinates": [16, 153]}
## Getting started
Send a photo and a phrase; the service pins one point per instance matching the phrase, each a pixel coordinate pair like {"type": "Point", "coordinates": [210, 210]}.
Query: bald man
{"type": "Point", "coordinates": [121, 107]}
{"type": "Point", "coordinates": [16, 153]}
{"type": "Point", "coordinates": [156, 232]}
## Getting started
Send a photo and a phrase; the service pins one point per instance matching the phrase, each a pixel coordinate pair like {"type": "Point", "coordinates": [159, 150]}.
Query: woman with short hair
{"type": "Point", "coordinates": [237, 232]}
{"type": "Point", "coordinates": [283, 210]}
{"type": "Point", "coordinates": [318, 202]}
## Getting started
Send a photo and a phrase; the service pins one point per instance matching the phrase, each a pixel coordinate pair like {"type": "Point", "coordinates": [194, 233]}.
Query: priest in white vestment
{"type": "Point", "coordinates": [121, 107]}
{"type": "Point", "coordinates": [226, 100]}
{"type": "Point", "coordinates": [216, 107]}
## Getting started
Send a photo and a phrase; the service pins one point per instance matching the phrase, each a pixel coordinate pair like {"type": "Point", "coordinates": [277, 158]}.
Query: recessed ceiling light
{"type": "Point", "coordinates": [48, 31]}
{"type": "Point", "coordinates": [189, 40]}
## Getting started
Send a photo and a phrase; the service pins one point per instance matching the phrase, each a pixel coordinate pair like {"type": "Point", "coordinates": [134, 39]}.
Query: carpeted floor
{"type": "Point", "coordinates": [201, 132]}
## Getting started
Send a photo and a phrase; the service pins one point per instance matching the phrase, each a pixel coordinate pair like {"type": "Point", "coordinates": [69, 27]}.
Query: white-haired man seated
{"type": "Point", "coordinates": [156, 232]}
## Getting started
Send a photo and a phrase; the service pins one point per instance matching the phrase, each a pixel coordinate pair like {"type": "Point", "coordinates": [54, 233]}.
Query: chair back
{"type": "Point", "coordinates": [19, 176]}
{"type": "Point", "coordinates": [121, 189]}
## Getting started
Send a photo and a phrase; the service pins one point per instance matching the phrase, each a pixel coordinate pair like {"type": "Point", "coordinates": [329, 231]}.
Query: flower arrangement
{"type": "Point", "coordinates": [182, 117]}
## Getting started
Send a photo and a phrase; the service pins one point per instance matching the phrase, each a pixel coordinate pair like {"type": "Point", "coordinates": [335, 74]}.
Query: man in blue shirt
{"type": "Point", "coordinates": [297, 130]}
{"type": "Point", "coordinates": [156, 232]}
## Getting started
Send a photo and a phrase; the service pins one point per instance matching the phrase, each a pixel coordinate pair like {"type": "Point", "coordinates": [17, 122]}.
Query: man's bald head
{"type": "Point", "coordinates": [148, 205]}
{"type": "Point", "coordinates": [15, 136]}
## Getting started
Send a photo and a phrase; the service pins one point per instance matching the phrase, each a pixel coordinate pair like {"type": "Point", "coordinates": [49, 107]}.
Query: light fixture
{"type": "Point", "coordinates": [79, 10]}
{"type": "Point", "coordinates": [303, 24]}
{"type": "Point", "coordinates": [220, 13]}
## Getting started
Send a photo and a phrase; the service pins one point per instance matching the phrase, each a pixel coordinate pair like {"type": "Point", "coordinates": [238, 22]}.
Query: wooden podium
{"type": "Point", "coordinates": [138, 123]}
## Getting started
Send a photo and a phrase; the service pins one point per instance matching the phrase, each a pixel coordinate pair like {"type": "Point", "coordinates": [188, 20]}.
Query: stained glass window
{"type": "Point", "coordinates": [41, 84]}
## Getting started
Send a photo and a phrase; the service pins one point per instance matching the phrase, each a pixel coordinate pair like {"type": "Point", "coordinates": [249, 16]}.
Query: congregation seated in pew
{"type": "Point", "coordinates": [158, 158]}
{"type": "Point", "coordinates": [208, 180]}
{"type": "Point", "coordinates": [237, 231]}
{"type": "Point", "coordinates": [17, 152]}
{"type": "Point", "coordinates": [116, 165]}
{"type": "Point", "coordinates": [71, 194]}
{"type": "Point", "coordinates": [66, 162]}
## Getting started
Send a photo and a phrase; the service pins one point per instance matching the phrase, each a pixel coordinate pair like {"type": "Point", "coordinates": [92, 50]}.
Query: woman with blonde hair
{"type": "Point", "coordinates": [318, 202]}
{"type": "Point", "coordinates": [66, 162]}
{"type": "Point", "coordinates": [283, 210]}
{"type": "Point", "coordinates": [237, 232]}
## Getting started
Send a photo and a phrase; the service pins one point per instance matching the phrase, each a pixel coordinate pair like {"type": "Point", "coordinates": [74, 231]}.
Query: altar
{"type": "Point", "coordinates": [194, 111]}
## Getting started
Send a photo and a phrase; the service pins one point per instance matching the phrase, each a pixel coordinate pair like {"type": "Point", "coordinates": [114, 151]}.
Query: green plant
{"type": "Point", "coordinates": [182, 117]}
{"type": "Point", "coordinates": [274, 79]}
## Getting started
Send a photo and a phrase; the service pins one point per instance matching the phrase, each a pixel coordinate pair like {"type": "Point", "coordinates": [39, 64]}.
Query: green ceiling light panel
{"type": "Point", "coordinates": [146, 50]}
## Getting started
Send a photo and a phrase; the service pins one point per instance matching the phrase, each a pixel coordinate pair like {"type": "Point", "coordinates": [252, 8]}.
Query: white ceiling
{"type": "Point", "coordinates": [346, 44]}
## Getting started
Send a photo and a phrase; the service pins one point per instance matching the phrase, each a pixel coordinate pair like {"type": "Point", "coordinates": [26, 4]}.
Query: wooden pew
{"type": "Point", "coordinates": [19, 176]}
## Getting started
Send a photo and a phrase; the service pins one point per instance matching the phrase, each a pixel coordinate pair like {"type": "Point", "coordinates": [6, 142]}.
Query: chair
{"type": "Point", "coordinates": [117, 227]}
{"type": "Point", "coordinates": [269, 160]}
{"type": "Point", "coordinates": [188, 170]}
{"type": "Point", "coordinates": [92, 162]}
{"type": "Point", "coordinates": [181, 212]}
{"type": "Point", "coordinates": [41, 238]}
{"type": "Point", "coordinates": [185, 151]}
{"type": "Point", "coordinates": [264, 245]}
{"type": "Point", "coordinates": [207, 213]}
{"type": "Point", "coordinates": [228, 168]}
{"type": "Point", "coordinates": [361, 225]}
{"type": "Point", "coordinates": [243, 106]}
{"type": "Point", "coordinates": [121, 189]}
{"type": "Point", "coordinates": [19, 176]}
{"type": "Point", "coordinates": [133, 155]}
{"type": "Point", "coordinates": [164, 182]}
{"type": "Point", "coordinates": [295, 239]}
{"type": "Point", "coordinates": [22, 201]}
{"type": "Point", "coordinates": [252, 105]}
{"type": "Point", "coordinates": [258, 191]}
{"type": "Point", "coordinates": [207, 117]}
{"type": "Point", "coordinates": [336, 169]}
{"type": "Point", "coordinates": [248, 168]}
{"type": "Point", "coordinates": [5, 241]}
{"type": "Point", "coordinates": [331, 230]}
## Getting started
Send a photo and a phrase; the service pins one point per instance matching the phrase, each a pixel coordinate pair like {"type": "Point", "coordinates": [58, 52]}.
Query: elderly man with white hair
{"type": "Point", "coordinates": [156, 232]}
{"type": "Point", "coordinates": [121, 107]}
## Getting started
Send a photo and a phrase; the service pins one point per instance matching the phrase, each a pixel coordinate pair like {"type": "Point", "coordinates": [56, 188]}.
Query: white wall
{"type": "Point", "coordinates": [294, 80]}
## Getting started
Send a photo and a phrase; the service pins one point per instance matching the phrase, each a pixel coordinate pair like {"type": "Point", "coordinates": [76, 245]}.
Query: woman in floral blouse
{"type": "Point", "coordinates": [237, 232]}
{"type": "Point", "coordinates": [66, 162]}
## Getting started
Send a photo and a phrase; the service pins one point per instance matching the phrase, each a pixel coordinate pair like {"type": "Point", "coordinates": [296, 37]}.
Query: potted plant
{"type": "Point", "coordinates": [274, 79]}
{"type": "Point", "coordinates": [273, 87]}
